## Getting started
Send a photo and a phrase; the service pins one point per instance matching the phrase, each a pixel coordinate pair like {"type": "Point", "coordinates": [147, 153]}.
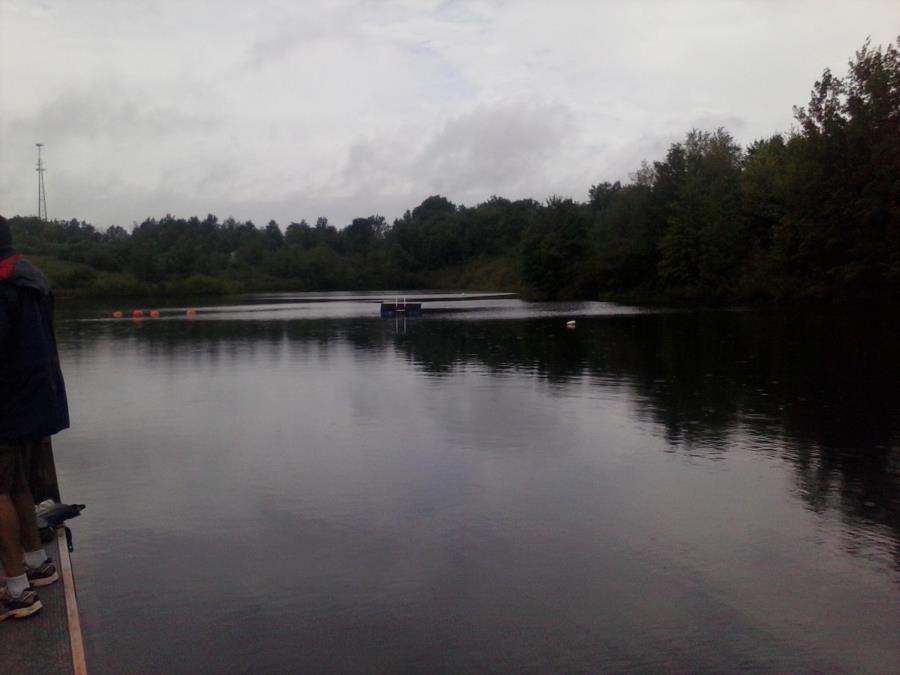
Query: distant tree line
{"type": "Point", "coordinates": [810, 215]}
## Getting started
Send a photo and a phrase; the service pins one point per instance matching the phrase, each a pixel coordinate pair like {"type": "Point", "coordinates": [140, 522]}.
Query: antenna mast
{"type": "Point", "coordinates": [42, 193]}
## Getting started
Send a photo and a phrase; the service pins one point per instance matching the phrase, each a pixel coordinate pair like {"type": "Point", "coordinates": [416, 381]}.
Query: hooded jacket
{"type": "Point", "coordinates": [32, 393]}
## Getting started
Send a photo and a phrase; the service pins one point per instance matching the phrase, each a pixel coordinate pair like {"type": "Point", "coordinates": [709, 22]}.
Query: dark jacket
{"type": "Point", "coordinates": [32, 394]}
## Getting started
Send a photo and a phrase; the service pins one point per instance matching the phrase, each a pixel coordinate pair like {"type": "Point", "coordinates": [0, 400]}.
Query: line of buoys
{"type": "Point", "coordinates": [136, 314]}
{"type": "Point", "coordinates": [153, 314]}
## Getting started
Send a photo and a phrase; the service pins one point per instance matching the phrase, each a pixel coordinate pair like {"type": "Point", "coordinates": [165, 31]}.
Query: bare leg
{"type": "Point", "coordinates": [11, 554]}
{"type": "Point", "coordinates": [24, 503]}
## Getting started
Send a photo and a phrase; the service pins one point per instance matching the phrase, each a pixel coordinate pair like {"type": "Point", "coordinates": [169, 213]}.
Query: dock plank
{"type": "Point", "coordinates": [40, 643]}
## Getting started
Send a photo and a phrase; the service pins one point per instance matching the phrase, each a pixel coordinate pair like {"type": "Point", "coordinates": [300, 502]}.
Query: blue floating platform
{"type": "Point", "coordinates": [389, 310]}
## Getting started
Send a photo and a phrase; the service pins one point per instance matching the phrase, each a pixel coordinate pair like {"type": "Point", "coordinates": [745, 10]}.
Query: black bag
{"type": "Point", "coordinates": [51, 515]}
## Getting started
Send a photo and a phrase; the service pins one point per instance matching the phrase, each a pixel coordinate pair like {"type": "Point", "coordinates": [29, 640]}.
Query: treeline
{"type": "Point", "coordinates": [809, 215]}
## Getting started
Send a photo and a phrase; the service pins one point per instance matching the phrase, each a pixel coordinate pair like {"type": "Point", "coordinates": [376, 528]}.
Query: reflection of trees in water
{"type": "Point", "coordinates": [820, 390]}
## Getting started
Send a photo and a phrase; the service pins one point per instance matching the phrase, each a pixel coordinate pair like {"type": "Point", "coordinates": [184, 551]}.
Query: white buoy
{"type": "Point", "coordinates": [570, 325]}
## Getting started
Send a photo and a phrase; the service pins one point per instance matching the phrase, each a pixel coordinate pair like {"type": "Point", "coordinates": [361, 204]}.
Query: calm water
{"type": "Point", "coordinates": [295, 486]}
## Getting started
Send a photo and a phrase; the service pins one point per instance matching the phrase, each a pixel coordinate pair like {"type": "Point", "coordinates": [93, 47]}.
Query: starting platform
{"type": "Point", "coordinates": [389, 310]}
{"type": "Point", "coordinates": [49, 641]}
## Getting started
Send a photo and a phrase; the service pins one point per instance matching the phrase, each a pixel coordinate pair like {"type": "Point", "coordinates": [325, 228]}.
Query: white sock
{"type": "Point", "coordinates": [17, 585]}
{"type": "Point", "coordinates": [35, 559]}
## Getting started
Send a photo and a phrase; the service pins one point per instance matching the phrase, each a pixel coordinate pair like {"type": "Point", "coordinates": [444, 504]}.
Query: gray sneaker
{"type": "Point", "coordinates": [18, 608]}
{"type": "Point", "coordinates": [43, 575]}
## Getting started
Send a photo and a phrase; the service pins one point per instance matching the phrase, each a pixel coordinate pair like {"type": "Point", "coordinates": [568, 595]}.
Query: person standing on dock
{"type": "Point", "coordinates": [33, 406]}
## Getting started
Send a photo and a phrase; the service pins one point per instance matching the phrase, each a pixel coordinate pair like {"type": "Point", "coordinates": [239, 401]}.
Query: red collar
{"type": "Point", "coordinates": [7, 265]}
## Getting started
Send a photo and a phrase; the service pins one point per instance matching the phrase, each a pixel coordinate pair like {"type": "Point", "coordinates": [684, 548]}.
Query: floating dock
{"type": "Point", "coordinates": [49, 641]}
{"type": "Point", "coordinates": [412, 307]}
{"type": "Point", "coordinates": [409, 309]}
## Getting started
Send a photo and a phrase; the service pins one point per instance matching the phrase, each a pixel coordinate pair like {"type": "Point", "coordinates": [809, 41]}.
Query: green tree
{"type": "Point", "coordinates": [705, 237]}
{"type": "Point", "coordinates": [274, 236]}
{"type": "Point", "coordinates": [841, 233]}
{"type": "Point", "coordinates": [552, 249]}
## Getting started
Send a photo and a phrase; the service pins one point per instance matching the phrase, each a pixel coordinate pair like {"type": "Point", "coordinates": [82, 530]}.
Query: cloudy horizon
{"type": "Point", "coordinates": [276, 110]}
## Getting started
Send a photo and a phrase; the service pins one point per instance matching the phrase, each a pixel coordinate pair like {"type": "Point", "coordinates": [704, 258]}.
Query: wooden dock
{"type": "Point", "coordinates": [50, 640]}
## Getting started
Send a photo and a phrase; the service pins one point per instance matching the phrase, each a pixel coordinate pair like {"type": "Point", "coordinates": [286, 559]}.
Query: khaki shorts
{"type": "Point", "coordinates": [23, 465]}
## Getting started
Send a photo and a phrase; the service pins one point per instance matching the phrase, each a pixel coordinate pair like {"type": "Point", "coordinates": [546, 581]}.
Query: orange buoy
{"type": "Point", "coordinates": [154, 313]}
{"type": "Point", "coordinates": [137, 314]}
{"type": "Point", "coordinates": [191, 313]}
{"type": "Point", "coordinates": [117, 314]}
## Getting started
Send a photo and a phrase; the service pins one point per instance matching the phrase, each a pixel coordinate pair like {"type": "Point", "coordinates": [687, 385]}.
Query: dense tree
{"type": "Point", "coordinates": [553, 247]}
{"type": "Point", "coordinates": [841, 233]}
{"type": "Point", "coordinates": [704, 238]}
{"type": "Point", "coordinates": [811, 214]}
{"type": "Point", "coordinates": [274, 236]}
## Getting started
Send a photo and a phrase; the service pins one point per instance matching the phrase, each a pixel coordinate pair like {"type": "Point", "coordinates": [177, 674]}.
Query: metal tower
{"type": "Point", "coordinates": [42, 193]}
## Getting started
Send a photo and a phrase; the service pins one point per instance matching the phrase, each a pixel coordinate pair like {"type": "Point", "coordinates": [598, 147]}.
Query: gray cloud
{"type": "Point", "coordinates": [497, 150]}
{"type": "Point", "coordinates": [277, 109]}
{"type": "Point", "coordinates": [106, 112]}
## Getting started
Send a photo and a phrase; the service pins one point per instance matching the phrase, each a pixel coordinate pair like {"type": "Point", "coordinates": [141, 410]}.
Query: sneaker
{"type": "Point", "coordinates": [18, 608]}
{"type": "Point", "coordinates": [44, 575]}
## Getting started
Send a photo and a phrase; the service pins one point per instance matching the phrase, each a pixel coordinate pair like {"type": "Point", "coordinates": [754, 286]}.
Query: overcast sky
{"type": "Point", "coordinates": [289, 110]}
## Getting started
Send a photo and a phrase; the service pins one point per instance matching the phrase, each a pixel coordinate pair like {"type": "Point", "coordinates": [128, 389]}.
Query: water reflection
{"type": "Point", "coordinates": [818, 390]}
{"type": "Point", "coordinates": [485, 491]}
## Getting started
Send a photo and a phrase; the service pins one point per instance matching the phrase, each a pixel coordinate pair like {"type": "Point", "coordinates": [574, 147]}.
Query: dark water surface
{"type": "Point", "coordinates": [290, 486]}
